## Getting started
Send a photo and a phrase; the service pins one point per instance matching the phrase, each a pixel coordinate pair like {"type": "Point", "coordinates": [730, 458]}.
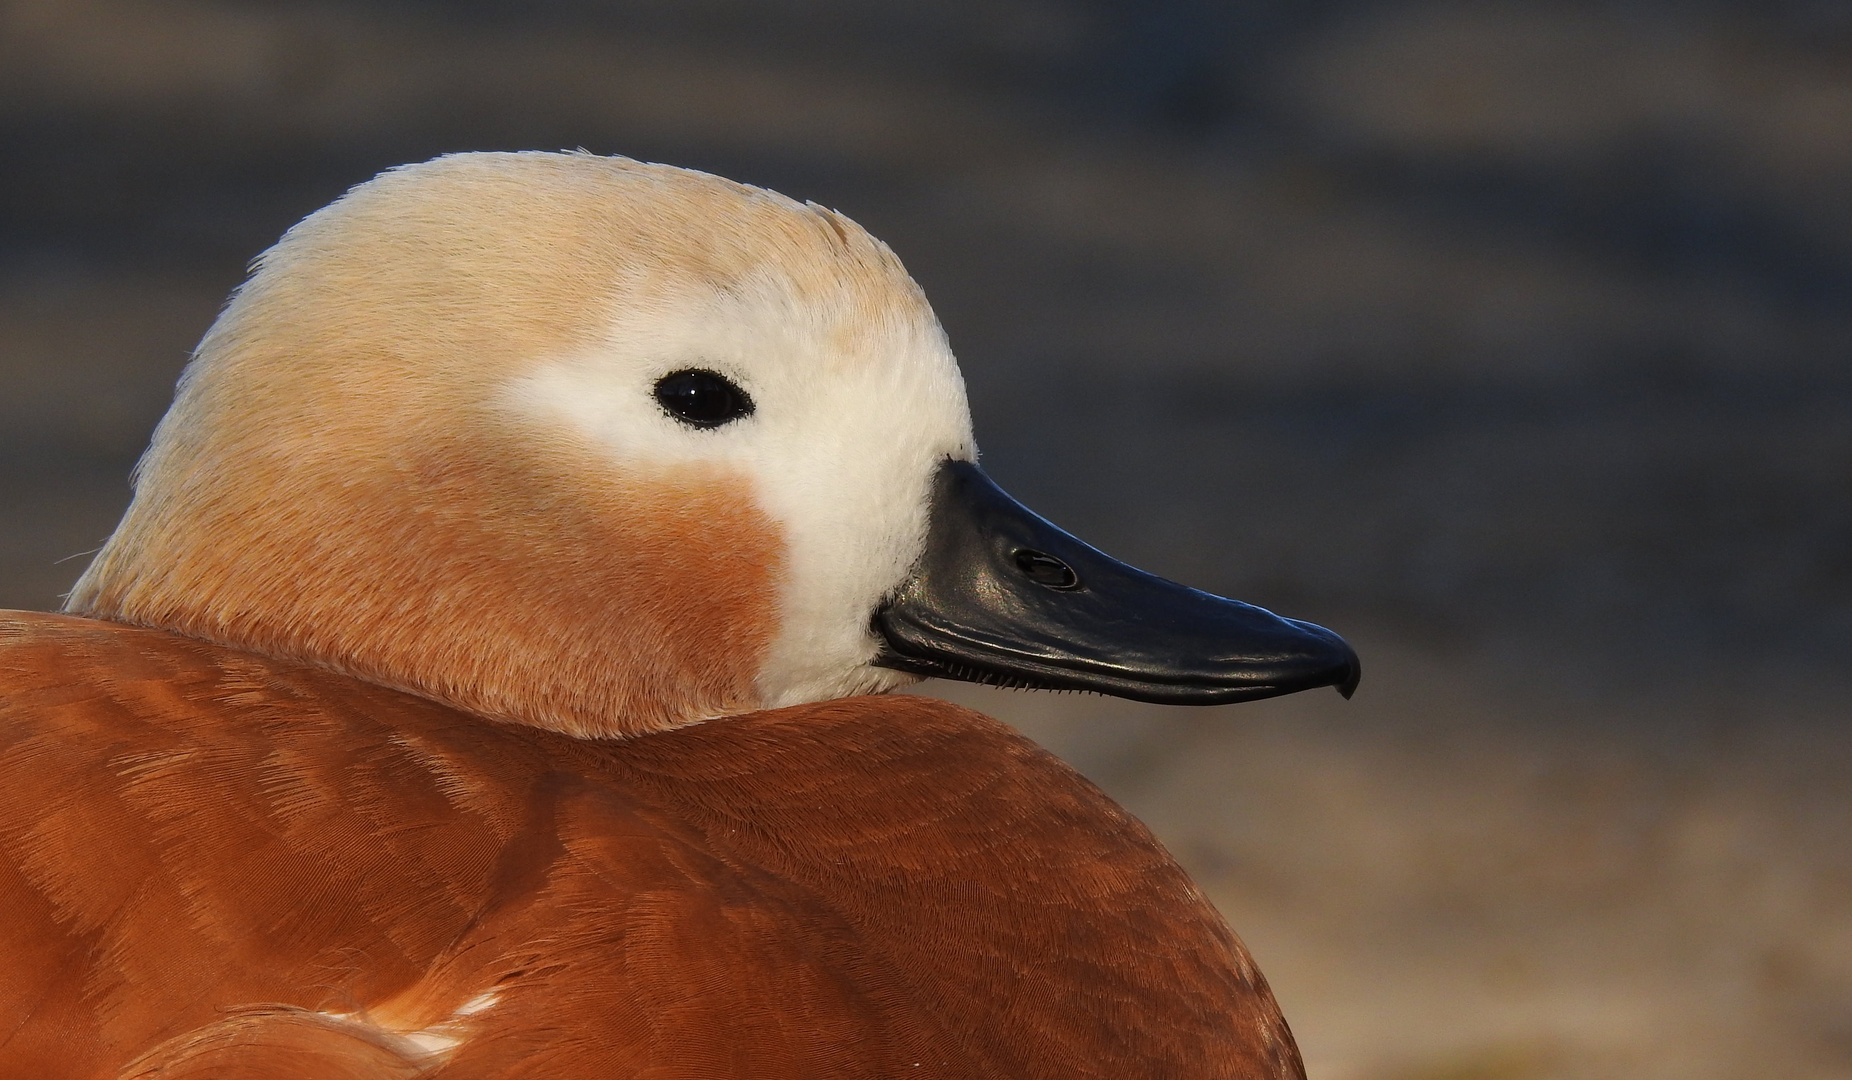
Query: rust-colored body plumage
{"type": "Point", "coordinates": [214, 864]}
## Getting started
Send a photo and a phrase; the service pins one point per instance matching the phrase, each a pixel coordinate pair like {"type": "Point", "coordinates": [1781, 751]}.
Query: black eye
{"type": "Point", "coordinates": [702, 398]}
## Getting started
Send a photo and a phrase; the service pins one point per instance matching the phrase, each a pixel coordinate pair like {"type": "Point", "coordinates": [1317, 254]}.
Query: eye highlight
{"type": "Point", "coordinates": [702, 398]}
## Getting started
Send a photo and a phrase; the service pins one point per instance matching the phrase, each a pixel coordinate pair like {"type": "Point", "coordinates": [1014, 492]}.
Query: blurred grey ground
{"type": "Point", "coordinates": [1513, 340]}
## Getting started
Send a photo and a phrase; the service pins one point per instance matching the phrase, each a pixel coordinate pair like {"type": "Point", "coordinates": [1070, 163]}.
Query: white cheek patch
{"type": "Point", "coordinates": [846, 433]}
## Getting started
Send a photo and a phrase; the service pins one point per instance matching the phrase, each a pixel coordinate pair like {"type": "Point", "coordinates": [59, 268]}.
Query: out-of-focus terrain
{"type": "Point", "coordinates": [1512, 340]}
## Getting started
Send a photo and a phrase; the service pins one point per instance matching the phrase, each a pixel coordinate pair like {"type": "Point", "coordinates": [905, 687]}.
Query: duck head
{"type": "Point", "coordinates": [608, 448]}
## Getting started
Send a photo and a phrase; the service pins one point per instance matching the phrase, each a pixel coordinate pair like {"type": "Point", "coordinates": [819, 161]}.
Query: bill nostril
{"type": "Point", "coordinates": [1045, 569]}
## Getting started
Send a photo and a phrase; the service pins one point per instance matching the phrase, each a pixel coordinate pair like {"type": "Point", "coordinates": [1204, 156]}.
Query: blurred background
{"type": "Point", "coordinates": [1512, 340]}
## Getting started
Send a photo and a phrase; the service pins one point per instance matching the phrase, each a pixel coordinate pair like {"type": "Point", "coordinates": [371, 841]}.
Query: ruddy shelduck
{"type": "Point", "coordinates": [487, 681]}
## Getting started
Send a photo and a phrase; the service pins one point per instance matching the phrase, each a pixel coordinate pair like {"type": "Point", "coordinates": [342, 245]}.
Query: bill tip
{"type": "Point", "coordinates": [1348, 685]}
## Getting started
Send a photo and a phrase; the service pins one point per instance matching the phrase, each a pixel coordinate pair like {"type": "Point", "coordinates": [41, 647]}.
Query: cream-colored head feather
{"type": "Point", "coordinates": [422, 446]}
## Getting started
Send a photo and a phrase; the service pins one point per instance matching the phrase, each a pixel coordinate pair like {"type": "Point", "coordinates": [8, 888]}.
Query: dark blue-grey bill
{"type": "Point", "coordinates": [1002, 596]}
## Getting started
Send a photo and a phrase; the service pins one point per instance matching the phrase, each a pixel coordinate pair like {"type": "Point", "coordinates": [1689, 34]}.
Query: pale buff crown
{"type": "Point", "coordinates": [421, 446]}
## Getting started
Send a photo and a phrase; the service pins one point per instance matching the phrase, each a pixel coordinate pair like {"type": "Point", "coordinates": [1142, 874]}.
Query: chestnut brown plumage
{"type": "Point", "coordinates": [215, 864]}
